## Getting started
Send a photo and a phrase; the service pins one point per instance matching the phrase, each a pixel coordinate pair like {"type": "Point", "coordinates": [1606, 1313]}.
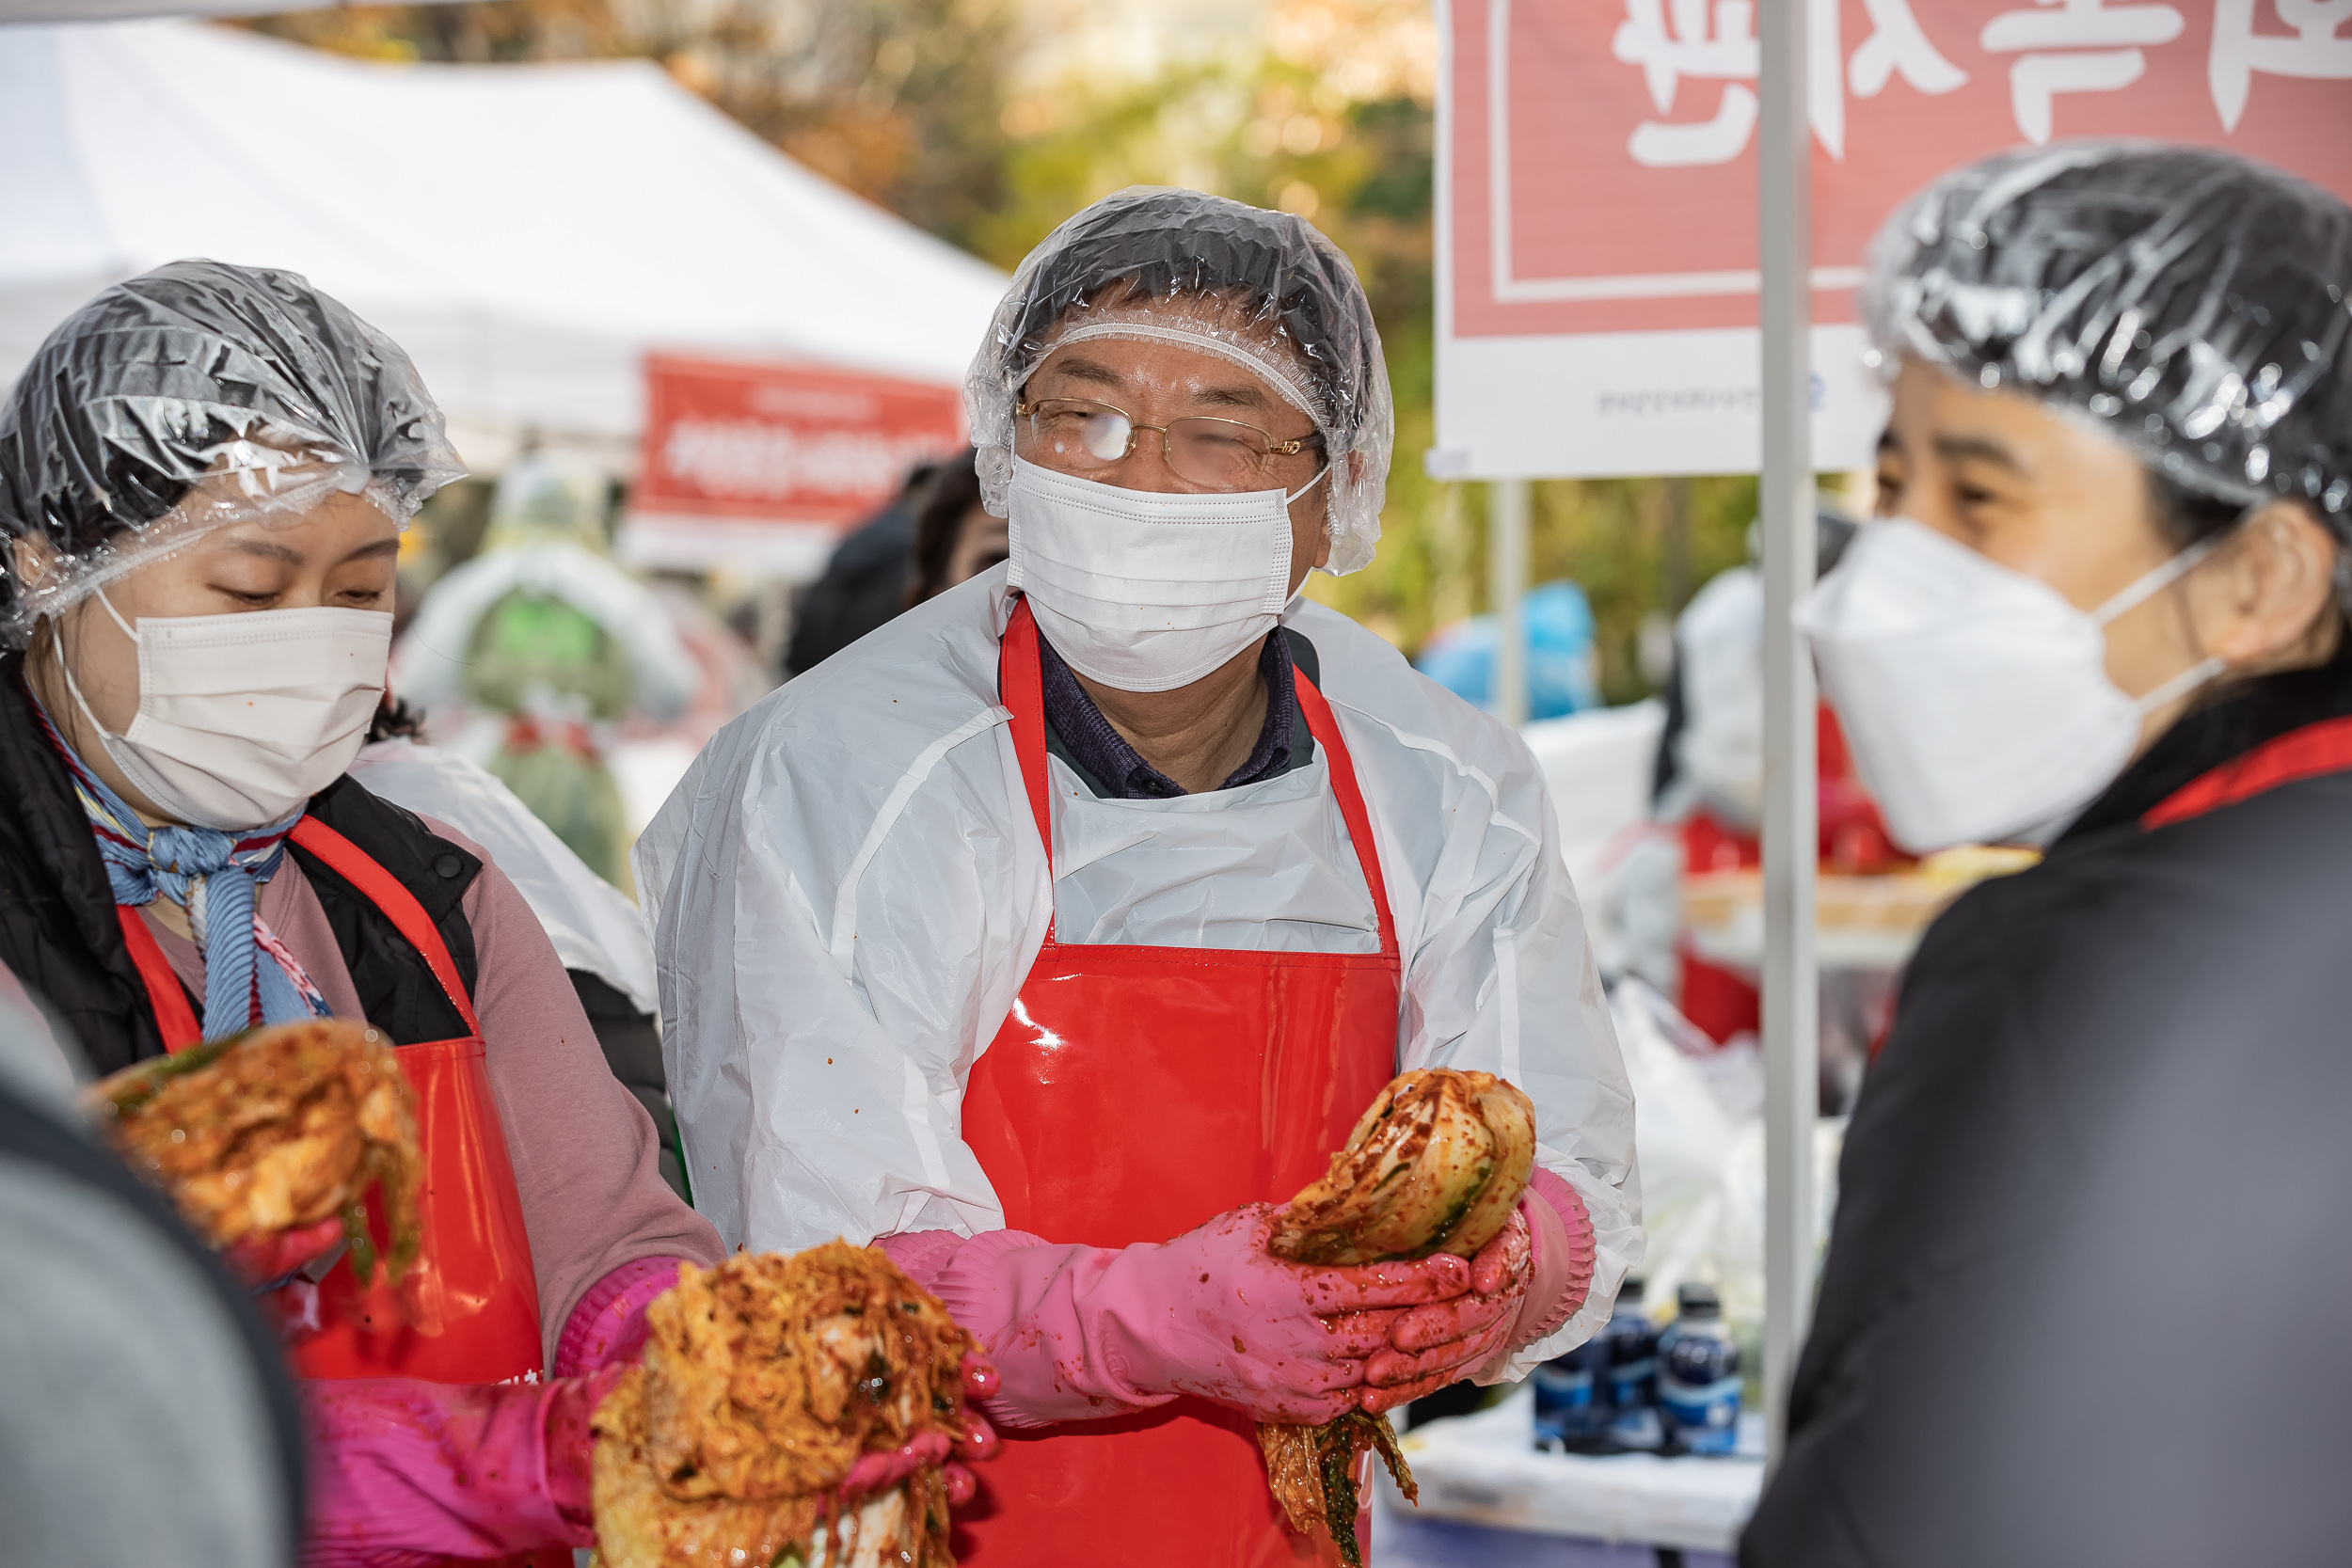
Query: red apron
{"type": "Point", "coordinates": [475, 1301]}
{"type": "Point", "coordinates": [1134, 1093]}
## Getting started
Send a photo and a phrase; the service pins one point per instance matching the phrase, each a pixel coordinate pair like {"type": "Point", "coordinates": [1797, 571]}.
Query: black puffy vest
{"type": "Point", "coordinates": [61, 936]}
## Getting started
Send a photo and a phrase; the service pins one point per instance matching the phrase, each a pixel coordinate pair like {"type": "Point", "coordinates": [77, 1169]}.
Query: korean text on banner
{"type": "Point", "coordinates": [1597, 281]}
{"type": "Point", "coordinates": [762, 466]}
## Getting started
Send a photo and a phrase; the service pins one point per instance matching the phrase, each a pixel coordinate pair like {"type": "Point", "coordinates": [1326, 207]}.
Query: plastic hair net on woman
{"type": "Point", "coordinates": [197, 396]}
{"type": "Point", "coordinates": [2191, 302]}
{"type": "Point", "coordinates": [1262, 289]}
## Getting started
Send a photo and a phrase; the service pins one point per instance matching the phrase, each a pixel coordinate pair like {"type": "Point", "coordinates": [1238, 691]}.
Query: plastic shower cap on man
{"type": "Point", "coordinates": [2196, 304]}
{"type": "Point", "coordinates": [1262, 289]}
{"type": "Point", "coordinates": [197, 396]}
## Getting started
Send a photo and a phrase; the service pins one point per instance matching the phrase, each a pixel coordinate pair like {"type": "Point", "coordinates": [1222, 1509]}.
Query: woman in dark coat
{"type": "Point", "coordinates": [2085, 1298]}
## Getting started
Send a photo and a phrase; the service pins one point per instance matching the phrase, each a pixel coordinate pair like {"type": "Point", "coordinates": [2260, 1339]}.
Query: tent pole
{"type": "Point", "coordinates": [1791, 806]}
{"type": "Point", "coordinates": [1508, 503]}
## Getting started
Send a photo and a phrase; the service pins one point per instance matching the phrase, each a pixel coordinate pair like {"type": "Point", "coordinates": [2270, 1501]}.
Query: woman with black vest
{"type": "Point", "coordinates": [203, 478]}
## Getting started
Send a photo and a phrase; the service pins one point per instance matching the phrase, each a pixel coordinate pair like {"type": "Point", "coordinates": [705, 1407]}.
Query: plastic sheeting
{"type": "Point", "coordinates": [1562, 676]}
{"type": "Point", "coordinates": [1719, 639]}
{"type": "Point", "coordinates": [593, 925]}
{"type": "Point", "coordinates": [1699, 1131]}
{"type": "Point", "coordinates": [2193, 301]}
{"type": "Point", "coordinates": [1262, 289]}
{"type": "Point", "coordinates": [1597, 766]}
{"type": "Point", "coordinates": [848, 892]}
{"type": "Point", "coordinates": [1193, 871]}
{"type": "Point", "coordinates": [545, 499]}
{"type": "Point", "coordinates": [191, 398]}
{"type": "Point", "coordinates": [429, 665]}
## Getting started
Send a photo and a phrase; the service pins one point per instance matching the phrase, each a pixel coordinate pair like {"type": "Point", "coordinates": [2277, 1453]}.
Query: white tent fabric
{"type": "Point", "coordinates": [107, 10]}
{"type": "Point", "coordinates": [526, 233]}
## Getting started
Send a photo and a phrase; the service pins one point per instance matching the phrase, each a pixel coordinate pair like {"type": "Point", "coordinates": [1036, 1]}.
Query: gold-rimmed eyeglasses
{"type": "Point", "coordinates": [1081, 437]}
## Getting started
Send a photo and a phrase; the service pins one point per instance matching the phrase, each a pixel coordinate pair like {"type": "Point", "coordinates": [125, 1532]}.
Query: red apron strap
{"type": "Point", "coordinates": [1024, 692]}
{"type": "Point", "coordinates": [1325, 730]}
{"type": "Point", "coordinates": [174, 1019]}
{"type": "Point", "coordinates": [2305, 753]}
{"type": "Point", "coordinates": [355, 866]}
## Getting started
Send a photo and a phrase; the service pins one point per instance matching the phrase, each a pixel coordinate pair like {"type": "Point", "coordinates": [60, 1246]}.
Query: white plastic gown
{"type": "Point", "coordinates": [592, 925]}
{"type": "Point", "coordinates": [848, 892]}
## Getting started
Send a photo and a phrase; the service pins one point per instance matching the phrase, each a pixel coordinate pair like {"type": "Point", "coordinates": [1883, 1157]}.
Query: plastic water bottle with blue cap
{"type": "Point", "coordinates": [1698, 1374]}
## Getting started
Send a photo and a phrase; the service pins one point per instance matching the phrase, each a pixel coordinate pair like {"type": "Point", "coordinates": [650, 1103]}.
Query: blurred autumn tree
{"type": "Point", "coordinates": [897, 100]}
{"type": "Point", "coordinates": [938, 110]}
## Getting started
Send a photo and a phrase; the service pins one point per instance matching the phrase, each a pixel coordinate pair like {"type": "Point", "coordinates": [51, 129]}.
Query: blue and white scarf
{"type": "Point", "coordinates": [215, 876]}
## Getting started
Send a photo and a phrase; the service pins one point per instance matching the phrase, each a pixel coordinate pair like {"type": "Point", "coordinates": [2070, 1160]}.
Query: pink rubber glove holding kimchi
{"type": "Point", "coordinates": [405, 1471]}
{"type": "Point", "coordinates": [1524, 1284]}
{"type": "Point", "coordinates": [1081, 1333]}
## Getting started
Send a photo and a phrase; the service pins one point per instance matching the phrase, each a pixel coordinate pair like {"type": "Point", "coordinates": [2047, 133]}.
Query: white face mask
{"type": "Point", "coordinates": [243, 718]}
{"type": "Point", "coordinates": [1976, 698]}
{"type": "Point", "coordinates": [1146, 591]}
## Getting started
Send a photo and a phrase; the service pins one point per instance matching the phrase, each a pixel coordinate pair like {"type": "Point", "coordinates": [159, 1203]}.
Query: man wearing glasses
{"type": "Point", "coordinates": [1055, 933]}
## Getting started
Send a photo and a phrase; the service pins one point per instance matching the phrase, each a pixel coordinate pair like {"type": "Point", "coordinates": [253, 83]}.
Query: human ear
{"type": "Point", "coordinates": [1310, 529]}
{"type": "Point", "coordinates": [1329, 488]}
{"type": "Point", "coordinates": [2270, 590]}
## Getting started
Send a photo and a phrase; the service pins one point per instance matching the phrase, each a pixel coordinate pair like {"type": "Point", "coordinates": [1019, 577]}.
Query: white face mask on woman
{"type": "Point", "coordinates": [1147, 589]}
{"type": "Point", "coordinates": [1976, 698]}
{"type": "Point", "coordinates": [243, 718]}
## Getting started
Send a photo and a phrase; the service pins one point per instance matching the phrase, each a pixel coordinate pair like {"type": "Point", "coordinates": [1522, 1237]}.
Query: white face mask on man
{"type": "Point", "coordinates": [1147, 589]}
{"type": "Point", "coordinates": [241, 718]}
{"type": "Point", "coordinates": [1976, 698]}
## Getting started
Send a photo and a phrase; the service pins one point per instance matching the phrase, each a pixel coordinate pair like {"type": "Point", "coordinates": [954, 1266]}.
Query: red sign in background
{"type": "Point", "coordinates": [1627, 200]}
{"type": "Point", "coordinates": [782, 442]}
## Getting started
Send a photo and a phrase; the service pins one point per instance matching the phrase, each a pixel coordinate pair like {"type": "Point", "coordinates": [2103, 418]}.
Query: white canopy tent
{"type": "Point", "coordinates": [525, 232]}
{"type": "Point", "coordinates": [107, 10]}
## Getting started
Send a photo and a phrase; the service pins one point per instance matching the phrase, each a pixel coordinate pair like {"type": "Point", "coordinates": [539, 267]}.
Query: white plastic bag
{"type": "Point", "coordinates": [1698, 1131]}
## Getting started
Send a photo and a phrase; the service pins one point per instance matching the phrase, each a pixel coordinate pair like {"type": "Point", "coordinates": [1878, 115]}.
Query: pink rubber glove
{"type": "Point", "coordinates": [608, 1326]}
{"type": "Point", "coordinates": [1524, 1284]}
{"type": "Point", "coordinates": [1083, 1333]}
{"type": "Point", "coordinates": [876, 1472]}
{"type": "Point", "coordinates": [406, 1471]}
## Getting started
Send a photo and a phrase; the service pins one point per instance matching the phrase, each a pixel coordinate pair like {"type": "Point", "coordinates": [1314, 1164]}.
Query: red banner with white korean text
{"type": "Point", "coordinates": [1599, 188]}
{"type": "Point", "coordinates": [765, 464]}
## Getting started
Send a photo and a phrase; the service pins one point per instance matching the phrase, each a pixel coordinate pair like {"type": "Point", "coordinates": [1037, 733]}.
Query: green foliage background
{"type": "Point", "coordinates": [927, 107]}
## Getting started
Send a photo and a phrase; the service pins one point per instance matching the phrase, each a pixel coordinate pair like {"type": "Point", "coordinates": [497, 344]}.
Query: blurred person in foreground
{"type": "Point", "coordinates": [1058, 930]}
{"type": "Point", "coordinates": [2084, 1294]}
{"type": "Point", "coordinates": [203, 476]}
{"type": "Point", "coordinates": [529, 655]}
{"type": "Point", "coordinates": [146, 1415]}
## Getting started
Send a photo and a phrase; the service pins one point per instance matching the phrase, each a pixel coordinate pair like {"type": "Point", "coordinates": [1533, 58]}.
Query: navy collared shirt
{"type": "Point", "coordinates": [1077, 731]}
